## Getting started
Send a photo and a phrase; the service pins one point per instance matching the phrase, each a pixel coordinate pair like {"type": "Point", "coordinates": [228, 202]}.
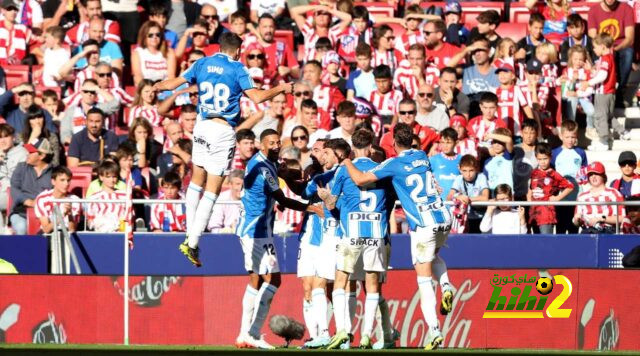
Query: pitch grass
{"type": "Point", "coordinates": [138, 350]}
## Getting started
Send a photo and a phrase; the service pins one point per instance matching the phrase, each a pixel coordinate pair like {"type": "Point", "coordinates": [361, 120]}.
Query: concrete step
{"type": "Point", "coordinates": [631, 145]}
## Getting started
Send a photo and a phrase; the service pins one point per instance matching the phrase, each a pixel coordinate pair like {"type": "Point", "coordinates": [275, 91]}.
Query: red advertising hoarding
{"type": "Point", "coordinates": [206, 310]}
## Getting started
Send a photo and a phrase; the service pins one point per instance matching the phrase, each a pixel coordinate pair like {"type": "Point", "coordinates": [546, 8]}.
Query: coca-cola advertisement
{"type": "Point", "coordinates": [206, 310]}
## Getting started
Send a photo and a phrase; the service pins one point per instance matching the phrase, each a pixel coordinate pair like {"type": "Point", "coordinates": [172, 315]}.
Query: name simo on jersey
{"type": "Point", "coordinates": [215, 69]}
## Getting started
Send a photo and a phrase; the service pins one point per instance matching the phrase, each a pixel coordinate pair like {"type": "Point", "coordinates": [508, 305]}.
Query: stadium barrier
{"type": "Point", "coordinates": [206, 310]}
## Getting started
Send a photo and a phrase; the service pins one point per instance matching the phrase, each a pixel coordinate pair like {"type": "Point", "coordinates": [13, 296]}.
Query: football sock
{"type": "Point", "coordinates": [248, 301]}
{"type": "Point", "coordinates": [261, 308]}
{"type": "Point", "coordinates": [370, 308]}
{"type": "Point", "coordinates": [428, 300]}
{"type": "Point", "coordinates": [309, 319]}
{"type": "Point", "coordinates": [193, 198]}
{"type": "Point", "coordinates": [320, 306]}
{"type": "Point", "coordinates": [385, 320]}
{"type": "Point", "coordinates": [350, 311]}
{"type": "Point", "coordinates": [339, 308]}
{"type": "Point", "coordinates": [440, 273]}
{"type": "Point", "coordinates": [203, 214]}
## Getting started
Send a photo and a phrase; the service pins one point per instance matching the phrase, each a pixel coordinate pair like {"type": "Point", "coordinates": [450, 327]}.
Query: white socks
{"type": "Point", "coordinates": [320, 306]}
{"type": "Point", "coordinates": [385, 319]}
{"type": "Point", "coordinates": [339, 309]}
{"type": "Point", "coordinates": [440, 273]}
{"type": "Point", "coordinates": [352, 304]}
{"type": "Point", "coordinates": [202, 216]}
{"type": "Point", "coordinates": [193, 198]}
{"type": "Point", "coordinates": [309, 318]}
{"type": "Point", "coordinates": [370, 308]}
{"type": "Point", "coordinates": [428, 301]}
{"type": "Point", "coordinates": [248, 302]}
{"type": "Point", "coordinates": [261, 308]}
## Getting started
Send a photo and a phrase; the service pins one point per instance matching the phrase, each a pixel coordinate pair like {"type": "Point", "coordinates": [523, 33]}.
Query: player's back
{"type": "Point", "coordinates": [221, 82]}
{"type": "Point", "coordinates": [313, 228]}
{"type": "Point", "coordinates": [258, 202]}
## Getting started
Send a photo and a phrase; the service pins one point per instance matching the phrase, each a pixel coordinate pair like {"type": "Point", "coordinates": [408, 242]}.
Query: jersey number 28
{"type": "Point", "coordinates": [218, 94]}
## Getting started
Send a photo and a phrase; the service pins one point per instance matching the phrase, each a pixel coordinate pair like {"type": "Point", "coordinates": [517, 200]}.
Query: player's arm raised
{"type": "Point", "coordinates": [169, 84]}
{"type": "Point", "coordinates": [359, 177]}
{"type": "Point", "coordinates": [260, 95]}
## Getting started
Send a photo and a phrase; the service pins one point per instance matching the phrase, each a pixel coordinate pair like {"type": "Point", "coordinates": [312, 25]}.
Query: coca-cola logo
{"type": "Point", "coordinates": [49, 332]}
{"type": "Point", "coordinates": [149, 291]}
{"type": "Point", "coordinates": [8, 317]}
{"type": "Point", "coordinates": [609, 332]}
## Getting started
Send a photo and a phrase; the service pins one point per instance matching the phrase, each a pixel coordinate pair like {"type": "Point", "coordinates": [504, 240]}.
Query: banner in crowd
{"type": "Point", "coordinates": [206, 310]}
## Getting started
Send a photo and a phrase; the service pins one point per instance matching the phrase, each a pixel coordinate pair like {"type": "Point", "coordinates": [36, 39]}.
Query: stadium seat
{"type": "Point", "coordinates": [378, 8]}
{"type": "Point", "coordinates": [286, 36]}
{"type": "Point", "coordinates": [16, 74]}
{"type": "Point", "coordinates": [33, 223]}
{"type": "Point", "coordinates": [80, 180]}
{"type": "Point", "coordinates": [470, 10]}
{"type": "Point", "coordinates": [520, 14]}
{"type": "Point", "coordinates": [516, 31]}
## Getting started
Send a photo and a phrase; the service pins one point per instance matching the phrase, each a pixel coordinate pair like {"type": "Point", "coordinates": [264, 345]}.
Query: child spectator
{"type": "Point", "coordinates": [555, 13]}
{"type": "Point", "coordinates": [546, 185]}
{"type": "Point", "coordinates": [52, 104]}
{"type": "Point", "coordinates": [331, 63]}
{"type": "Point", "coordinates": [629, 183]}
{"type": "Point", "coordinates": [44, 207]}
{"type": "Point", "coordinates": [568, 160]}
{"type": "Point", "coordinates": [598, 219]}
{"type": "Point", "coordinates": [505, 219]}
{"type": "Point", "coordinates": [169, 217]}
{"type": "Point", "coordinates": [159, 14]}
{"type": "Point", "coordinates": [54, 57]}
{"type": "Point", "coordinates": [536, 93]}
{"type": "Point", "coordinates": [505, 51]}
{"type": "Point", "coordinates": [528, 44]}
{"type": "Point", "coordinates": [631, 222]}
{"type": "Point", "coordinates": [197, 40]}
{"type": "Point", "coordinates": [577, 35]}
{"type": "Point", "coordinates": [323, 45]}
{"type": "Point", "coordinates": [511, 100]}
{"type": "Point", "coordinates": [457, 34]}
{"type": "Point", "coordinates": [413, 17]}
{"type": "Point", "coordinates": [604, 83]}
{"type": "Point", "coordinates": [319, 25]}
{"type": "Point", "coordinates": [107, 217]}
{"type": "Point", "coordinates": [124, 157]}
{"type": "Point", "coordinates": [361, 82]}
{"type": "Point", "coordinates": [359, 32]}
{"type": "Point", "coordinates": [578, 71]}
{"type": "Point", "coordinates": [480, 126]}
{"type": "Point", "coordinates": [384, 98]}
{"type": "Point", "coordinates": [499, 167]}
{"type": "Point", "coordinates": [14, 36]}
{"type": "Point", "coordinates": [465, 145]}
{"type": "Point", "coordinates": [468, 187]}
{"type": "Point", "coordinates": [224, 218]}
{"type": "Point", "coordinates": [547, 54]}
{"type": "Point", "coordinates": [488, 22]}
{"type": "Point", "coordinates": [145, 104]}
{"type": "Point", "coordinates": [524, 160]}
{"type": "Point", "coordinates": [445, 164]}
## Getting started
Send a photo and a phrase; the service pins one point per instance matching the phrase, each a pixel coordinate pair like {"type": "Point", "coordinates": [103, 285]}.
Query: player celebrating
{"type": "Point", "coordinates": [429, 220]}
{"type": "Point", "coordinates": [255, 228]}
{"type": "Point", "coordinates": [221, 80]}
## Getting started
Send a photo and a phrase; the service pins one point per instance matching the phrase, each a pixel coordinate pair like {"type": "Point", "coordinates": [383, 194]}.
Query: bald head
{"type": "Point", "coordinates": [174, 131]}
{"type": "Point", "coordinates": [96, 29]}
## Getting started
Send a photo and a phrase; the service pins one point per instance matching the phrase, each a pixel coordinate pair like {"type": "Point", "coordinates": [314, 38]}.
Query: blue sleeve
{"type": "Point", "coordinates": [507, 155]}
{"type": "Point", "coordinates": [350, 84]}
{"type": "Point", "coordinates": [269, 180]}
{"type": "Point", "coordinates": [583, 155]}
{"type": "Point", "coordinates": [5, 102]}
{"type": "Point", "coordinates": [554, 155]}
{"type": "Point", "coordinates": [17, 178]}
{"type": "Point", "coordinates": [50, 125]}
{"type": "Point", "coordinates": [457, 184]}
{"type": "Point", "coordinates": [338, 182]}
{"type": "Point", "coordinates": [137, 177]}
{"type": "Point", "coordinates": [190, 74]}
{"type": "Point", "coordinates": [310, 190]}
{"type": "Point", "coordinates": [114, 50]}
{"type": "Point", "coordinates": [244, 79]}
{"type": "Point", "coordinates": [481, 181]}
{"type": "Point", "coordinates": [385, 169]}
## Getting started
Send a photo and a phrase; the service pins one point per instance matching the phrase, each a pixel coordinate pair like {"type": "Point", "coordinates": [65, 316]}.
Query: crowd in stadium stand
{"type": "Point", "coordinates": [499, 116]}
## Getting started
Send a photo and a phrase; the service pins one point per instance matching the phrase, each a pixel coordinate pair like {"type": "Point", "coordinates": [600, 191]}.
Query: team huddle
{"type": "Point", "coordinates": [345, 234]}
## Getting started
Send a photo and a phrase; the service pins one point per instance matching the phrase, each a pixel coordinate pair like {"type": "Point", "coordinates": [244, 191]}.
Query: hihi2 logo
{"type": "Point", "coordinates": [520, 304]}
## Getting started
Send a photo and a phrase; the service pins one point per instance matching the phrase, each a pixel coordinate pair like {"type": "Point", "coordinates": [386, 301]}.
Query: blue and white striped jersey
{"type": "Point", "coordinates": [260, 182]}
{"type": "Point", "coordinates": [312, 232]}
{"type": "Point", "coordinates": [221, 82]}
{"type": "Point", "coordinates": [363, 211]}
{"type": "Point", "coordinates": [413, 181]}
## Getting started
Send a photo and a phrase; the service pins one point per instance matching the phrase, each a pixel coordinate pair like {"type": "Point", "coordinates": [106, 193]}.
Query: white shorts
{"type": "Point", "coordinates": [318, 261]}
{"type": "Point", "coordinates": [259, 255]}
{"type": "Point", "coordinates": [359, 274]}
{"type": "Point", "coordinates": [425, 240]}
{"type": "Point", "coordinates": [371, 251]}
{"type": "Point", "coordinates": [214, 145]}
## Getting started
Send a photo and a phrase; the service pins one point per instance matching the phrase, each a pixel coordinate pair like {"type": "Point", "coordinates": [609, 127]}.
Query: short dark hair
{"type": "Point", "coordinates": [339, 144]}
{"type": "Point", "coordinates": [267, 16]}
{"type": "Point", "coordinates": [543, 148]}
{"type": "Point", "coordinates": [125, 149]}
{"type": "Point", "coordinates": [309, 104]}
{"type": "Point", "coordinates": [449, 70]}
{"type": "Point", "coordinates": [439, 26]}
{"type": "Point", "coordinates": [229, 42]}
{"type": "Point", "coordinates": [488, 97]}
{"type": "Point", "coordinates": [575, 20]}
{"type": "Point", "coordinates": [185, 144]}
{"type": "Point", "coordinates": [417, 47]}
{"type": "Point", "coordinates": [245, 134]}
{"type": "Point", "coordinates": [363, 49]}
{"type": "Point", "coordinates": [90, 42]}
{"type": "Point", "coordinates": [172, 179]}
{"type": "Point", "coordinates": [314, 63]}
{"type": "Point", "coordinates": [569, 125]}
{"type": "Point", "coordinates": [360, 12]}
{"type": "Point", "coordinates": [449, 133]}
{"type": "Point", "coordinates": [323, 43]}
{"type": "Point", "coordinates": [60, 170]}
{"type": "Point", "coordinates": [469, 161]}
{"type": "Point", "coordinates": [492, 17]}
{"type": "Point", "coordinates": [157, 9]}
{"type": "Point", "coordinates": [536, 17]}
{"type": "Point", "coordinates": [407, 101]}
{"type": "Point", "coordinates": [403, 135]}
{"type": "Point", "coordinates": [95, 110]}
{"type": "Point", "coordinates": [530, 123]}
{"type": "Point", "coordinates": [504, 189]}
{"type": "Point", "coordinates": [378, 154]}
{"type": "Point", "coordinates": [6, 130]}
{"type": "Point", "coordinates": [382, 72]}
{"type": "Point", "coordinates": [108, 166]}
{"type": "Point", "coordinates": [188, 108]}
{"type": "Point", "coordinates": [346, 108]}
{"type": "Point", "coordinates": [268, 132]}
{"type": "Point", "coordinates": [49, 94]}
{"type": "Point", "coordinates": [238, 15]}
{"type": "Point", "coordinates": [362, 139]}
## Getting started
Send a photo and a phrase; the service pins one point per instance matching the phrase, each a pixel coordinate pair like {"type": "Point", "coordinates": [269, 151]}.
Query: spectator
{"type": "Point", "coordinates": [346, 116]}
{"type": "Point", "coordinates": [524, 159]}
{"type": "Point", "coordinates": [224, 218]}
{"type": "Point", "coordinates": [361, 81]}
{"type": "Point", "coordinates": [528, 44]}
{"type": "Point", "coordinates": [280, 58]}
{"type": "Point", "coordinates": [302, 94]}
{"type": "Point", "coordinates": [90, 52]}
{"type": "Point", "coordinates": [555, 14]}
{"type": "Point", "coordinates": [465, 145]}
{"type": "Point", "coordinates": [382, 43]}
{"type": "Point", "coordinates": [320, 25]}
{"type": "Point", "coordinates": [300, 140]}
{"type": "Point", "coordinates": [511, 100]}
{"type": "Point", "coordinates": [182, 14]}
{"type": "Point", "coordinates": [536, 93]}
{"type": "Point", "coordinates": [480, 126]}
{"type": "Point", "coordinates": [145, 104]}
{"type": "Point", "coordinates": [480, 76]}
{"type": "Point", "coordinates": [546, 185]}
{"type": "Point", "coordinates": [151, 59]}
{"type": "Point", "coordinates": [249, 109]}
{"type": "Point", "coordinates": [445, 164]}
{"type": "Point", "coordinates": [79, 33]}
{"type": "Point", "coordinates": [468, 187]}
{"type": "Point", "coordinates": [245, 148]}
{"type": "Point", "coordinates": [54, 57]}
{"type": "Point", "coordinates": [174, 133]}
{"type": "Point", "coordinates": [488, 22]}
{"type": "Point", "coordinates": [141, 137]}
{"type": "Point", "coordinates": [504, 219]}
{"type": "Point", "coordinates": [577, 35]}
{"type": "Point", "coordinates": [629, 183]}
{"type": "Point", "coordinates": [124, 157]}
{"type": "Point", "coordinates": [178, 154]}
{"type": "Point", "coordinates": [35, 131]}
{"type": "Point", "coordinates": [429, 113]}
{"type": "Point", "coordinates": [14, 37]}
{"type": "Point", "coordinates": [15, 114]}
{"type": "Point", "coordinates": [576, 71]}
{"type": "Point", "coordinates": [441, 52]}
{"type": "Point", "coordinates": [254, 56]}
{"type": "Point", "coordinates": [169, 217]}
{"type": "Point", "coordinates": [455, 101]}
{"type": "Point", "coordinates": [159, 14]}
{"type": "Point", "coordinates": [616, 19]}
{"type": "Point", "coordinates": [187, 119]}
{"type": "Point", "coordinates": [10, 156]}
{"type": "Point", "coordinates": [182, 161]}
{"type": "Point", "coordinates": [274, 8]}
{"type": "Point", "coordinates": [361, 31]}
{"type": "Point", "coordinates": [195, 36]}
{"type": "Point", "coordinates": [28, 180]}
{"type": "Point", "coordinates": [326, 97]}
{"type": "Point", "coordinates": [210, 14]}
{"type": "Point", "coordinates": [96, 185]}
{"type": "Point", "coordinates": [92, 143]}
{"type": "Point", "coordinates": [407, 115]}
{"type": "Point", "coordinates": [51, 103]}
{"type": "Point", "coordinates": [568, 161]}
{"type": "Point", "coordinates": [75, 117]}
{"type": "Point", "coordinates": [30, 13]}
{"type": "Point", "coordinates": [107, 217]}
{"type": "Point", "coordinates": [499, 167]}
{"type": "Point", "coordinates": [109, 51]}
{"type": "Point", "coordinates": [414, 72]}
{"type": "Point", "coordinates": [598, 219]}
{"type": "Point", "coordinates": [332, 76]}
{"type": "Point", "coordinates": [270, 118]}
{"type": "Point", "coordinates": [44, 207]}
{"type": "Point", "coordinates": [384, 98]}
{"type": "Point", "coordinates": [457, 34]}
{"type": "Point", "coordinates": [504, 54]}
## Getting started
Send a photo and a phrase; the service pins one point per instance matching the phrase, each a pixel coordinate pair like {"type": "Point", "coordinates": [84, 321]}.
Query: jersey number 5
{"type": "Point", "coordinates": [217, 95]}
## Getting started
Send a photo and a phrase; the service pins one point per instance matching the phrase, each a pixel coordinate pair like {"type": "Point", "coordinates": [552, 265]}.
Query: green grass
{"type": "Point", "coordinates": [91, 350]}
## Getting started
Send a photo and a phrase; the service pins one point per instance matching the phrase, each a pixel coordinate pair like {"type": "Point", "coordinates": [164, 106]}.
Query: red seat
{"type": "Point", "coordinates": [470, 10]}
{"type": "Point", "coordinates": [286, 36]}
{"type": "Point", "coordinates": [519, 13]}
{"type": "Point", "coordinates": [33, 223]}
{"type": "Point", "coordinates": [378, 8]}
{"type": "Point", "coordinates": [16, 78]}
{"type": "Point", "coordinates": [80, 180]}
{"type": "Point", "coordinates": [512, 30]}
